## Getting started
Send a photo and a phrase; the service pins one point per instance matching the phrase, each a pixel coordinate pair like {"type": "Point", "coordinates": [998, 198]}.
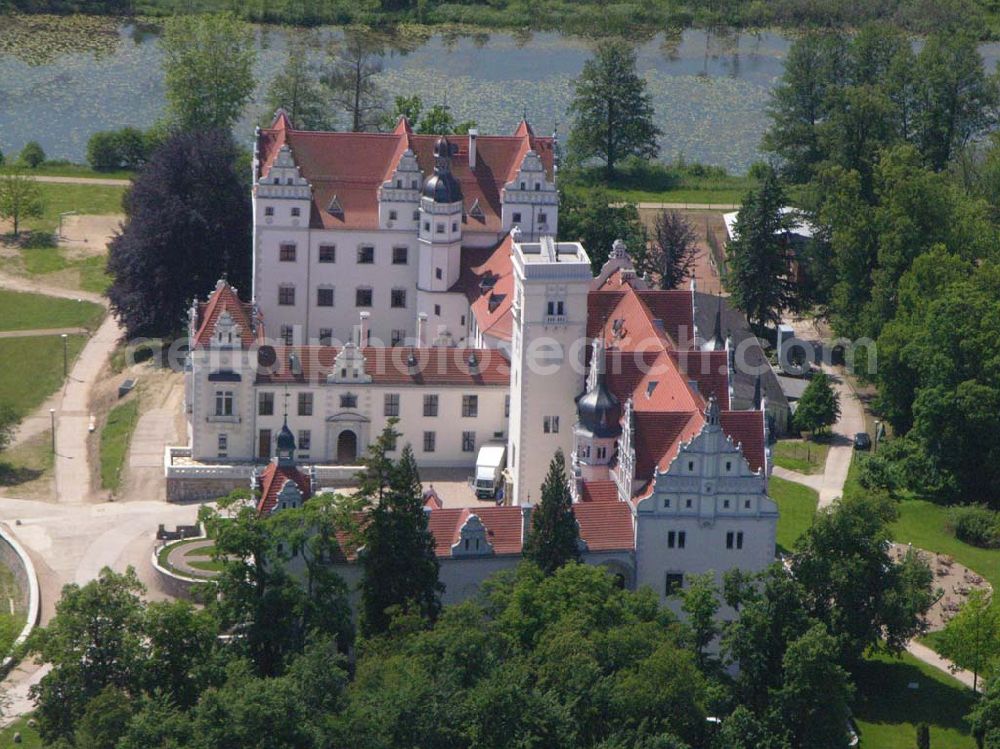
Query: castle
{"type": "Point", "coordinates": [416, 278]}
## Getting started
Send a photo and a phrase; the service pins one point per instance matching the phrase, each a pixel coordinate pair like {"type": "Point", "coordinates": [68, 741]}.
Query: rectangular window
{"type": "Point", "coordinates": [392, 404]}
{"type": "Point", "coordinates": [286, 252]}
{"type": "Point", "coordinates": [430, 440]}
{"type": "Point", "coordinates": [305, 440]}
{"type": "Point", "coordinates": [296, 211]}
{"type": "Point", "coordinates": [363, 298]}
{"type": "Point", "coordinates": [397, 298]}
{"type": "Point", "coordinates": [439, 228]}
{"type": "Point", "coordinates": [223, 402]}
{"type": "Point", "coordinates": [325, 336]}
{"type": "Point", "coordinates": [305, 404]}
{"type": "Point", "coordinates": [506, 406]}
{"type": "Point", "coordinates": [671, 539]}
{"type": "Point", "coordinates": [550, 425]}
{"type": "Point", "coordinates": [430, 405]}
{"type": "Point", "coordinates": [542, 218]}
{"type": "Point", "coordinates": [470, 405]}
{"type": "Point", "coordinates": [438, 274]}
{"type": "Point", "coordinates": [739, 539]}
{"type": "Point", "coordinates": [729, 540]}
{"type": "Point", "coordinates": [437, 310]}
{"type": "Point", "coordinates": [675, 581]}
{"type": "Point", "coordinates": [416, 215]}
{"type": "Point", "coordinates": [324, 297]}
{"type": "Point", "coordinates": [390, 443]}
{"type": "Point", "coordinates": [223, 445]}
{"type": "Point", "coordinates": [400, 255]}
{"type": "Point", "coordinates": [517, 218]}
{"type": "Point", "coordinates": [468, 442]}
{"type": "Point", "coordinates": [269, 210]}
{"type": "Point", "coordinates": [366, 254]}
{"type": "Point", "coordinates": [348, 400]}
{"type": "Point", "coordinates": [397, 337]}
{"type": "Point", "coordinates": [287, 334]}
{"type": "Point", "coordinates": [602, 453]}
{"type": "Point", "coordinates": [286, 296]}
{"type": "Point", "coordinates": [328, 253]}
{"type": "Point", "coordinates": [392, 214]}
{"type": "Point", "coordinates": [265, 404]}
{"type": "Point", "coordinates": [681, 539]}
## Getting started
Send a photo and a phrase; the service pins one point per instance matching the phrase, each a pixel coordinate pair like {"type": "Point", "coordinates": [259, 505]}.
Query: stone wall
{"type": "Point", "coordinates": [13, 555]}
{"type": "Point", "coordinates": [181, 489]}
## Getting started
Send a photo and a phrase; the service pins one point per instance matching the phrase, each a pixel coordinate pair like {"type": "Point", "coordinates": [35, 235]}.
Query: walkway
{"type": "Point", "coordinates": [41, 332]}
{"type": "Point", "coordinates": [830, 484]}
{"type": "Point", "coordinates": [82, 180]}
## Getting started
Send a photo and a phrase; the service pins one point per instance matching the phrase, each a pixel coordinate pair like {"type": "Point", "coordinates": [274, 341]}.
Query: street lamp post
{"type": "Point", "coordinates": [52, 416]}
{"type": "Point", "coordinates": [875, 441]}
{"type": "Point", "coordinates": [65, 339]}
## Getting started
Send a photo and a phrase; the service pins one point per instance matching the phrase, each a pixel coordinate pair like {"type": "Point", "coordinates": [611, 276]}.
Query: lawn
{"type": "Point", "coordinates": [29, 736]}
{"type": "Point", "coordinates": [804, 456]}
{"type": "Point", "coordinates": [887, 711]}
{"type": "Point", "coordinates": [797, 505]}
{"type": "Point", "coordinates": [39, 261]}
{"type": "Point", "coordinates": [115, 438]}
{"type": "Point", "coordinates": [33, 369]}
{"type": "Point", "coordinates": [925, 525]}
{"type": "Point", "coordinates": [59, 198]}
{"type": "Point", "coordinates": [28, 465]}
{"type": "Point", "coordinates": [78, 170]}
{"type": "Point", "coordinates": [21, 311]}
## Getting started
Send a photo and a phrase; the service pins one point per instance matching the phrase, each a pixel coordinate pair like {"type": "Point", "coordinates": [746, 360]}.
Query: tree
{"type": "Point", "coordinates": [188, 224]}
{"type": "Point", "coordinates": [32, 156]}
{"type": "Point", "coordinates": [208, 65]}
{"type": "Point", "coordinates": [613, 111]}
{"type": "Point", "coordinates": [20, 198]}
{"type": "Point", "coordinates": [971, 640]}
{"type": "Point", "coordinates": [127, 148]}
{"type": "Point", "coordinates": [985, 718]}
{"type": "Point", "coordinates": [700, 601]}
{"type": "Point", "coordinates": [93, 642]}
{"type": "Point", "coordinates": [104, 722]}
{"type": "Point", "coordinates": [816, 692]}
{"type": "Point", "coordinates": [555, 536]}
{"type": "Point", "coordinates": [865, 599]}
{"type": "Point", "coordinates": [819, 406]}
{"type": "Point", "coordinates": [9, 421]}
{"type": "Point", "coordinates": [352, 78]}
{"type": "Point", "coordinates": [673, 250]}
{"type": "Point", "coordinates": [758, 267]}
{"type": "Point", "coordinates": [439, 121]}
{"type": "Point", "coordinates": [296, 89]}
{"type": "Point", "coordinates": [399, 565]}
{"type": "Point", "coordinates": [592, 220]}
{"type": "Point", "coordinates": [923, 736]}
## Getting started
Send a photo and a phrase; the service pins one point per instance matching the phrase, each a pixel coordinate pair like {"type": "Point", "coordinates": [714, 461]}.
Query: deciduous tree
{"type": "Point", "coordinates": [188, 223]}
{"type": "Point", "coordinates": [613, 110]}
{"type": "Point", "coordinates": [208, 65]}
{"type": "Point", "coordinates": [555, 536]}
{"type": "Point", "coordinates": [819, 406]}
{"type": "Point", "coordinates": [592, 220]}
{"type": "Point", "coordinates": [20, 198]}
{"type": "Point", "coordinates": [297, 89]}
{"type": "Point", "coordinates": [351, 78]}
{"type": "Point", "coordinates": [971, 640]}
{"type": "Point", "coordinates": [673, 249]}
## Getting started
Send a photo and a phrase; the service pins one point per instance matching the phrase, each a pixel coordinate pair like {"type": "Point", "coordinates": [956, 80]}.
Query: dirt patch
{"type": "Point", "coordinates": [954, 581]}
{"type": "Point", "coordinates": [85, 236]}
{"type": "Point", "coordinates": [704, 223]}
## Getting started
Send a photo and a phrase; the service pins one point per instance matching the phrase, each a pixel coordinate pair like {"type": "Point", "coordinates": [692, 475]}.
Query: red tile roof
{"type": "Point", "coordinates": [747, 430]}
{"type": "Point", "coordinates": [353, 167]}
{"type": "Point", "coordinates": [435, 366]}
{"type": "Point", "coordinates": [223, 299]}
{"type": "Point", "coordinates": [605, 526]}
{"type": "Point", "coordinates": [487, 280]}
{"type": "Point", "coordinates": [599, 491]}
{"type": "Point", "coordinates": [273, 479]}
{"type": "Point", "coordinates": [675, 309]}
{"type": "Point", "coordinates": [710, 369]}
{"type": "Point", "coordinates": [658, 437]}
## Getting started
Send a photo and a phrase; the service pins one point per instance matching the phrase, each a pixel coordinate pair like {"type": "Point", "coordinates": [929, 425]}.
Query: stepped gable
{"type": "Point", "coordinates": [273, 479]}
{"type": "Point", "coordinates": [434, 366]}
{"type": "Point", "coordinates": [224, 299]}
{"type": "Point", "coordinates": [353, 167]}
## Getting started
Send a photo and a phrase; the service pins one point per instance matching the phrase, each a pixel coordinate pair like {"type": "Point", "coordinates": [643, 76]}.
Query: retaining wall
{"type": "Point", "coordinates": [17, 560]}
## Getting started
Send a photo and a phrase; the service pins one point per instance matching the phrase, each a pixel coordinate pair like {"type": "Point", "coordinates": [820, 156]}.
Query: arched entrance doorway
{"type": "Point", "coordinates": [347, 447]}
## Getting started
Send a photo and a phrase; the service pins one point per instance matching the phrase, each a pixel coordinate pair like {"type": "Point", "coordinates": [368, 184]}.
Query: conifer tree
{"type": "Point", "coordinates": [400, 569]}
{"type": "Point", "coordinates": [819, 406]}
{"type": "Point", "coordinates": [757, 275]}
{"type": "Point", "coordinates": [555, 537]}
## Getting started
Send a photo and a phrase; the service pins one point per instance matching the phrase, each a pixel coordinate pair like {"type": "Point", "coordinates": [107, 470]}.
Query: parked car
{"type": "Point", "coordinates": [862, 441]}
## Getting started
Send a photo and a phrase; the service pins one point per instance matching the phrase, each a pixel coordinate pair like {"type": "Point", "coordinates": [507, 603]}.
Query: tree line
{"type": "Point", "coordinates": [553, 652]}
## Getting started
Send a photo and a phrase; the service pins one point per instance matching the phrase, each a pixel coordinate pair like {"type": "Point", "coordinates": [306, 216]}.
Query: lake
{"type": "Point", "coordinates": [61, 80]}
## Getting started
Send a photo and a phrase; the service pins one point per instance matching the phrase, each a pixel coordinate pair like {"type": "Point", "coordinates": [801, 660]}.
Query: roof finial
{"type": "Point", "coordinates": [712, 410]}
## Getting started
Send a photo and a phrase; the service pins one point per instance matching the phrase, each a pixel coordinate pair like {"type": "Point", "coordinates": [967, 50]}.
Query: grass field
{"type": "Point", "coordinates": [20, 311]}
{"type": "Point", "coordinates": [33, 368]}
{"type": "Point", "coordinates": [28, 465]}
{"type": "Point", "coordinates": [925, 525]}
{"type": "Point", "coordinates": [800, 455]}
{"type": "Point", "coordinates": [797, 505]}
{"type": "Point", "coordinates": [887, 711]}
{"type": "Point", "coordinates": [78, 170]}
{"type": "Point", "coordinates": [39, 261]}
{"type": "Point", "coordinates": [59, 198]}
{"type": "Point", "coordinates": [115, 438]}
{"type": "Point", "coordinates": [29, 736]}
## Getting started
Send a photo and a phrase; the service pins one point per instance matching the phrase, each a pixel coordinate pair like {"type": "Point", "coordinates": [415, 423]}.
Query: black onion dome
{"type": "Point", "coordinates": [599, 411]}
{"type": "Point", "coordinates": [442, 187]}
{"type": "Point", "coordinates": [286, 440]}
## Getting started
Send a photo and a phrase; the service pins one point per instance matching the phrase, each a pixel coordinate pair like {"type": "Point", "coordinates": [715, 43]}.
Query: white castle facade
{"type": "Point", "coordinates": [415, 278]}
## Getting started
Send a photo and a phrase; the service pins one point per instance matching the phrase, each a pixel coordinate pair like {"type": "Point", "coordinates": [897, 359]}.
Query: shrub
{"type": "Point", "coordinates": [32, 155]}
{"type": "Point", "coordinates": [1, 158]}
{"type": "Point", "coordinates": [977, 525]}
{"type": "Point", "coordinates": [127, 148]}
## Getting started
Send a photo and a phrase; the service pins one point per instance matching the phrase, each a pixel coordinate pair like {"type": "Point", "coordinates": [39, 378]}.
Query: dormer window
{"type": "Point", "coordinates": [334, 207]}
{"type": "Point", "coordinates": [477, 211]}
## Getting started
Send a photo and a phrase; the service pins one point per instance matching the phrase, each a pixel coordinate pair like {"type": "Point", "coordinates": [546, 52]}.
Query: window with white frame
{"type": "Point", "coordinates": [305, 441]}
{"type": "Point", "coordinates": [366, 254]}
{"type": "Point", "coordinates": [305, 404]}
{"type": "Point", "coordinates": [468, 442]}
{"type": "Point", "coordinates": [286, 295]}
{"type": "Point", "coordinates": [223, 402]}
{"type": "Point", "coordinates": [324, 296]}
{"type": "Point", "coordinates": [327, 253]}
{"type": "Point", "coordinates": [391, 404]}
{"type": "Point", "coordinates": [223, 445]}
{"type": "Point", "coordinates": [550, 425]}
{"type": "Point", "coordinates": [470, 406]}
{"type": "Point", "coordinates": [430, 441]}
{"type": "Point", "coordinates": [430, 405]}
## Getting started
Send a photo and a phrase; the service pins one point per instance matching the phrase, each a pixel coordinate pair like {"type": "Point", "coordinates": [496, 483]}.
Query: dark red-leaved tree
{"type": "Point", "coordinates": [188, 223]}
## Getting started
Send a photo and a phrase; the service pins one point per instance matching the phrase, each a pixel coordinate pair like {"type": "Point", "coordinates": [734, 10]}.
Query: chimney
{"type": "Point", "coordinates": [363, 338]}
{"type": "Point", "coordinates": [525, 522]}
{"type": "Point", "coordinates": [421, 326]}
{"type": "Point", "coordinates": [473, 134]}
